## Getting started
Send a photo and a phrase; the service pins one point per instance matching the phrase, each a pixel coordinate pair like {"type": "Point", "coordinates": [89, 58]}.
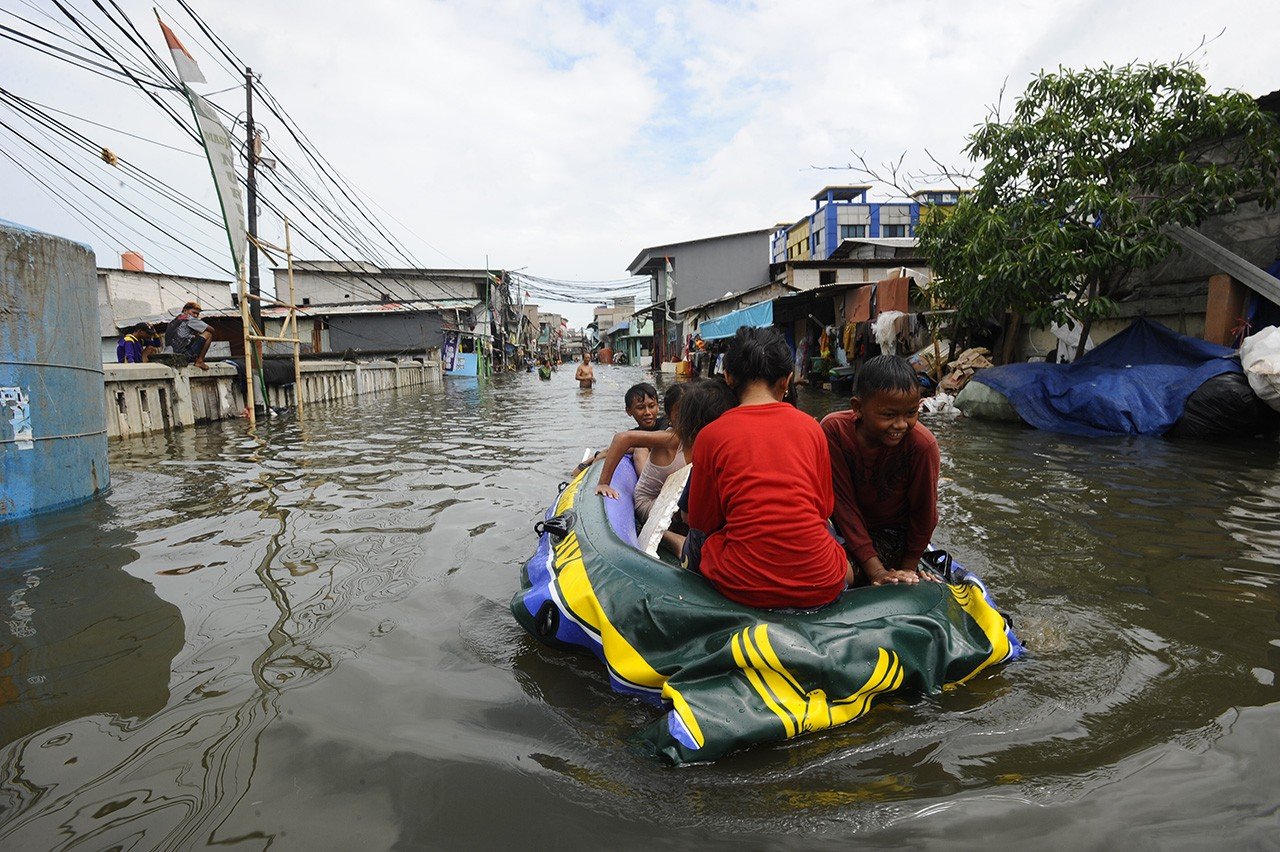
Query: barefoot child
{"type": "Point", "coordinates": [664, 457]}
{"type": "Point", "coordinates": [884, 470]}
{"type": "Point", "coordinates": [760, 490]}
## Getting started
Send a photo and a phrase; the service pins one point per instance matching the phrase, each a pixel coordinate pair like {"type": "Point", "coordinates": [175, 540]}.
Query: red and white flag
{"type": "Point", "coordinates": [188, 70]}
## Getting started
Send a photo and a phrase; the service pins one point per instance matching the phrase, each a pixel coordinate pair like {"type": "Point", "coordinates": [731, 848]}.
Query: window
{"type": "Point", "coordinates": [893, 230]}
{"type": "Point", "coordinates": [817, 238]}
{"type": "Point", "coordinates": [848, 232]}
{"type": "Point", "coordinates": [826, 276]}
{"type": "Point", "coordinates": [306, 300]}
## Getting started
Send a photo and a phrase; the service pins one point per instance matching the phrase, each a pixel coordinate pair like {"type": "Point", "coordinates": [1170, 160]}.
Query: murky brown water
{"type": "Point", "coordinates": [302, 641]}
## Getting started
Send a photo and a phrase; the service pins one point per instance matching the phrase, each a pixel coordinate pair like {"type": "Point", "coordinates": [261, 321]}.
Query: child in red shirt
{"type": "Point", "coordinates": [759, 490]}
{"type": "Point", "coordinates": [884, 470]}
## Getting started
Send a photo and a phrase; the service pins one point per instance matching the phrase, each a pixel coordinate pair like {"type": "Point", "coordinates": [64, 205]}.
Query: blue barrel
{"type": "Point", "coordinates": [53, 420]}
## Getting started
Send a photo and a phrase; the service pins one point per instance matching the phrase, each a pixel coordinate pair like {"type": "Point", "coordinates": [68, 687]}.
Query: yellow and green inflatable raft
{"type": "Point", "coordinates": [728, 675]}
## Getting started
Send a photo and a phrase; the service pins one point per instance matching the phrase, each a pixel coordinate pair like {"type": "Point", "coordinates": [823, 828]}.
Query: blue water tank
{"type": "Point", "coordinates": [53, 421]}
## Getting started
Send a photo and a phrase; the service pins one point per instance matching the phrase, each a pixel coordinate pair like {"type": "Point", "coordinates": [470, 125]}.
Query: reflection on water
{"type": "Point", "coordinates": [301, 640]}
{"type": "Point", "coordinates": [63, 654]}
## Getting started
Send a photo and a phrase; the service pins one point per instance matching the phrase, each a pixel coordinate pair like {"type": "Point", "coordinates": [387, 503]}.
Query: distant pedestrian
{"type": "Point", "coordinates": [188, 335]}
{"type": "Point", "coordinates": [585, 374]}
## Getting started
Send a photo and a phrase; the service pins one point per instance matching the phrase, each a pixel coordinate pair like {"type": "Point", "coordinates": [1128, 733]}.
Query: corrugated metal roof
{"type": "Point", "coordinates": [380, 307]}
{"type": "Point", "coordinates": [276, 311]}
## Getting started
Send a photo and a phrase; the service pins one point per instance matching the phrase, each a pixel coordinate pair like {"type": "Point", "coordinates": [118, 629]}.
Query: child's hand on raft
{"type": "Point", "coordinates": [607, 491]}
{"type": "Point", "coordinates": [907, 574]}
{"type": "Point", "coordinates": [885, 577]}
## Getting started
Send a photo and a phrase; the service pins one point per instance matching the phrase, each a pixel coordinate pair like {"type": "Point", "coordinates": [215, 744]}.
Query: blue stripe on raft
{"type": "Point", "coordinates": [622, 512]}
{"type": "Point", "coordinates": [538, 568]}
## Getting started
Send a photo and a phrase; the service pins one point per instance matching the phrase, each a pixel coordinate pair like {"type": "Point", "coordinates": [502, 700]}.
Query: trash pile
{"type": "Point", "coordinates": [961, 370]}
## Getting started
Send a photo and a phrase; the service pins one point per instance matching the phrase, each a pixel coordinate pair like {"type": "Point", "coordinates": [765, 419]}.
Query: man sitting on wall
{"type": "Point", "coordinates": [188, 335]}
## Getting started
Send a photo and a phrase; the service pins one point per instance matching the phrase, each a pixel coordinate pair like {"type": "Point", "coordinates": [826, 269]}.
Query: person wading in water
{"type": "Point", "coordinates": [585, 375]}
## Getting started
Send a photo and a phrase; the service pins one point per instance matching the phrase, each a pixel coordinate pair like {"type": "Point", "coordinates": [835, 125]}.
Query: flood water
{"type": "Point", "coordinates": [301, 640]}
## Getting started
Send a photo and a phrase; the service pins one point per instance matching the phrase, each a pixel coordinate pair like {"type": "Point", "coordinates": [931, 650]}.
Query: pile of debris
{"type": "Point", "coordinates": [961, 370]}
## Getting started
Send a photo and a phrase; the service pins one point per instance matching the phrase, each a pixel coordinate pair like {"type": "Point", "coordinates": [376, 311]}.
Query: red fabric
{"type": "Point", "coordinates": [857, 304]}
{"type": "Point", "coordinates": [760, 491]}
{"type": "Point", "coordinates": [883, 487]}
{"type": "Point", "coordinates": [892, 294]}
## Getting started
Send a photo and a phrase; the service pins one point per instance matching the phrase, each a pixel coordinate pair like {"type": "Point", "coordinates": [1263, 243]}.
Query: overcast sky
{"type": "Point", "coordinates": [566, 136]}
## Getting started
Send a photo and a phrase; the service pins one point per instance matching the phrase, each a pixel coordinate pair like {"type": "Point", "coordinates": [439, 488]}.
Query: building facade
{"type": "Point", "coordinates": [363, 308]}
{"type": "Point", "coordinates": [694, 272]}
{"type": "Point", "coordinates": [127, 297]}
{"type": "Point", "coordinates": [843, 213]}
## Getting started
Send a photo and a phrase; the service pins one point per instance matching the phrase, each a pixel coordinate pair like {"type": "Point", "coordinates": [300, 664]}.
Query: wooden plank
{"type": "Point", "coordinates": [1160, 307]}
{"type": "Point", "coordinates": [1228, 262]}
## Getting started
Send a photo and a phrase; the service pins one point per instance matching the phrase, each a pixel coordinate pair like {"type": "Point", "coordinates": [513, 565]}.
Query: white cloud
{"type": "Point", "coordinates": [566, 136]}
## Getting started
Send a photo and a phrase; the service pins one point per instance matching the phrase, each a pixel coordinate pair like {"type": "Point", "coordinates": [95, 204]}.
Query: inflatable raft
{"type": "Point", "coordinates": [727, 675]}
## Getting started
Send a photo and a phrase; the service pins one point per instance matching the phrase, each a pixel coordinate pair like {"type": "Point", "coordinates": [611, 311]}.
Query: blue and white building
{"type": "Point", "coordinates": [843, 213]}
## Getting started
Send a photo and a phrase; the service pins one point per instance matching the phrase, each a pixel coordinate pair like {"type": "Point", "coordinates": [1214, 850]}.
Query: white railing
{"type": "Point", "coordinates": [144, 398]}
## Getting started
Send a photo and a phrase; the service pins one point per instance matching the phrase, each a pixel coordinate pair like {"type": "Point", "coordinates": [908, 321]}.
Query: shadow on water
{"type": "Point", "coordinates": [79, 636]}
{"type": "Point", "coordinates": [301, 639]}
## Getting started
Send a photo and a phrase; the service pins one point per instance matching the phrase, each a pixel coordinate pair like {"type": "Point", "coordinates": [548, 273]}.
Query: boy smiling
{"type": "Point", "coordinates": [884, 471]}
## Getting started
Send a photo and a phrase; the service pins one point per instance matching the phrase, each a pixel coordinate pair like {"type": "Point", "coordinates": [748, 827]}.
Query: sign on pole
{"type": "Point", "coordinates": [217, 147]}
{"type": "Point", "coordinates": [222, 162]}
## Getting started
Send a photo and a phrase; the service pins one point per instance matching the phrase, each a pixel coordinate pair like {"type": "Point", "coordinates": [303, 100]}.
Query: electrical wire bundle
{"type": "Point", "coordinates": [122, 200]}
{"type": "Point", "coordinates": [582, 292]}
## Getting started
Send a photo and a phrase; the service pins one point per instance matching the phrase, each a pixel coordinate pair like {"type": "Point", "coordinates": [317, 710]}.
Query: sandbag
{"type": "Point", "coordinates": [986, 403]}
{"type": "Point", "coordinates": [1260, 357]}
{"type": "Point", "coordinates": [1224, 406]}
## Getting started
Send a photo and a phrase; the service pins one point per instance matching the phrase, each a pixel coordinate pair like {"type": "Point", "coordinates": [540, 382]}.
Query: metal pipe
{"type": "Point", "coordinates": [43, 364]}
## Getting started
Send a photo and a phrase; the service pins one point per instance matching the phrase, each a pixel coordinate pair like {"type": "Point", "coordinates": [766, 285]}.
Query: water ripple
{"type": "Point", "coordinates": [301, 639]}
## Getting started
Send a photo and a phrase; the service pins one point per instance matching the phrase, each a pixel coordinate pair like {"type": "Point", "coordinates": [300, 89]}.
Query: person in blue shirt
{"type": "Point", "coordinates": [129, 346]}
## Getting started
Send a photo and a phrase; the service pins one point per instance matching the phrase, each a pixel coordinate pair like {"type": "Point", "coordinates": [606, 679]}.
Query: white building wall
{"type": "Point", "coordinates": [853, 214]}
{"type": "Point", "coordinates": [337, 288]}
{"type": "Point", "coordinates": [126, 297]}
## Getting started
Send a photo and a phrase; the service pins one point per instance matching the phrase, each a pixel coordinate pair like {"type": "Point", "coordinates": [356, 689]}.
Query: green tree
{"type": "Point", "coordinates": [1079, 186]}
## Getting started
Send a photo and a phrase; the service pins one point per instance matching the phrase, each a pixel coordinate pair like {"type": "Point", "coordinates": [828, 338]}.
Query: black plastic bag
{"type": "Point", "coordinates": [1225, 406]}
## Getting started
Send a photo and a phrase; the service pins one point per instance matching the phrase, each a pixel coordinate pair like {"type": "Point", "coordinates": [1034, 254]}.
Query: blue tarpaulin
{"type": "Point", "coordinates": [1136, 383]}
{"type": "Point", "coordinates": [759, 316]}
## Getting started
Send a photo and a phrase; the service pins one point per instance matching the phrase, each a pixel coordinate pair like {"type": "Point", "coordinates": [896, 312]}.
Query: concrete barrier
{"type": "Point", "coordinates": [145, 398]}
{"type": "Point", "coordinates": [53, 447]}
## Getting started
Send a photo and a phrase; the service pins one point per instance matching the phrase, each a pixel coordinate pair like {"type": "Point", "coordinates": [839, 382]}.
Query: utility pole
{"type": "Point", "coordinates": [251, 198]}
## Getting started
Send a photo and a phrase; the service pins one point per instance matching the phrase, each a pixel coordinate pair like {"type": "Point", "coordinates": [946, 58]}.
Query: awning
{"type": "Point", "coordinates": [757, 316]}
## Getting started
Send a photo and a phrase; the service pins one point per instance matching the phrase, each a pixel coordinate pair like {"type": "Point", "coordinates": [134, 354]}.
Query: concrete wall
{"type": "Point", "coordinates": [53, 446]}
{"type": "Point", "coordinates": [146, 398]}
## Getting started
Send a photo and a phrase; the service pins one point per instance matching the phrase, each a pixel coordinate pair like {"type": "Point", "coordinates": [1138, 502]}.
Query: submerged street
{"type": "Point", "coordinates": [302, 640]}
